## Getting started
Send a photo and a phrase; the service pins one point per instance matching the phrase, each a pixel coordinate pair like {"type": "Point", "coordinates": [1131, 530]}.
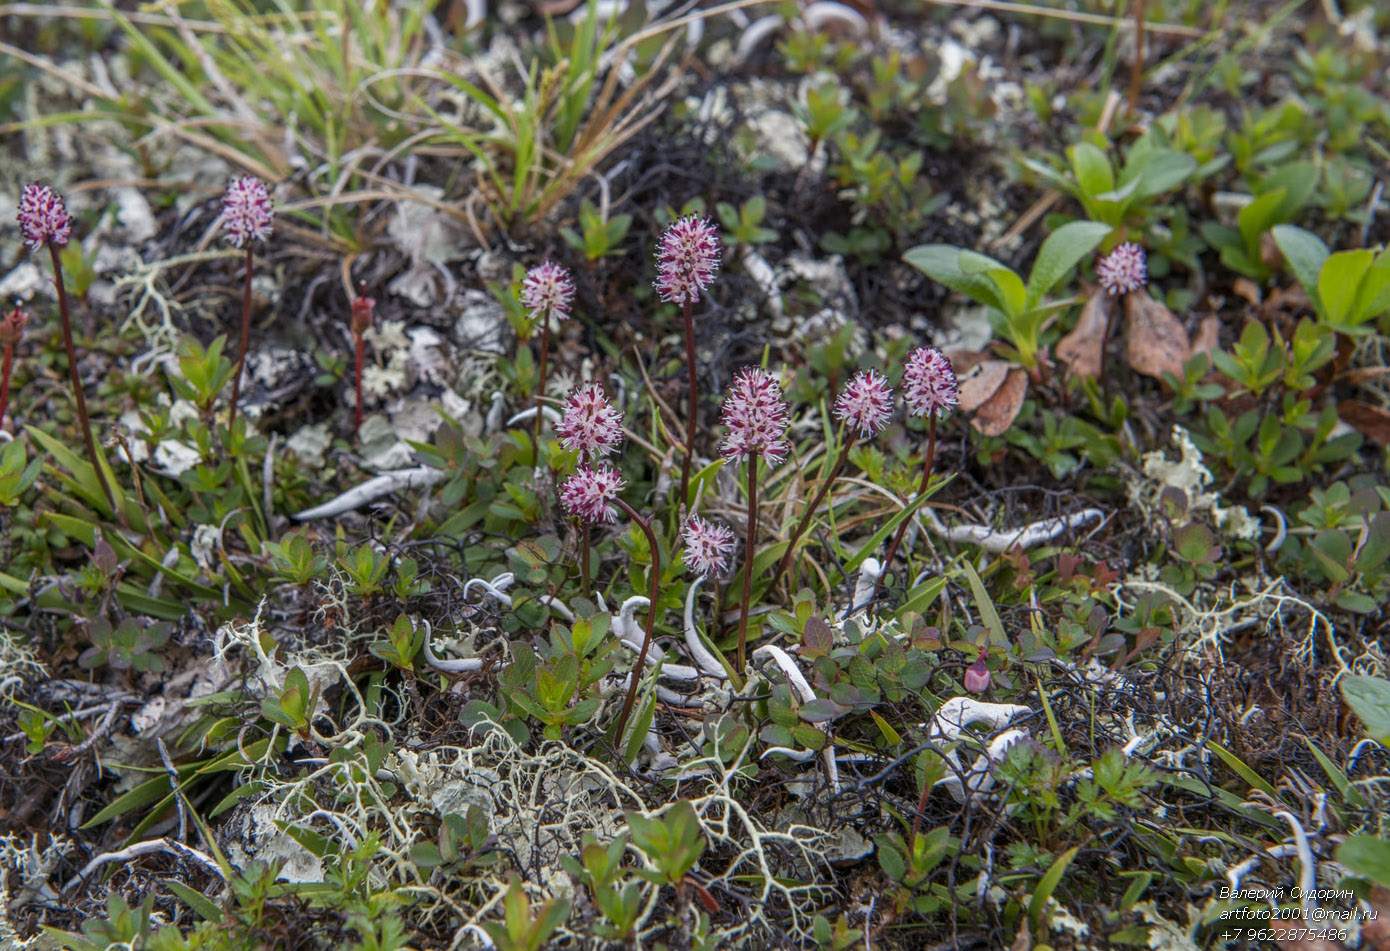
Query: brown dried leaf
{"type": "Point", "coordinates": [1373, 422]}
{"type": "Point", "coordinates": [1285, 301]}
{"type": "Point", "coordinates": [997, 413]}
{"type": "Point", "coordinates": [1157, 341]}
{"type": "Point", "coordinates": [980, 383]}
{"type": "Point", "coordinates": [1363, 375]}
{"type": "Point", "coordinates": [1208, 336]}
{"type": "Point", "coordinates": [1375, 932]}
{"type": "Point", "coordinates": [1248, 289]}
{"type": "Point", "coordinates": [1082, 349]}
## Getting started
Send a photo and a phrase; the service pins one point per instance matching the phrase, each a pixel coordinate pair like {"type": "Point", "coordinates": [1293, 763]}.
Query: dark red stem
{"type": "Point", "coordinates": [540, 387]}
{"type": "Point", "coordinates": [1136, 73]}
{"type": "Point", "coordinates": [811, 509]}
{"type": "Point", "coordinates": [655, 587]}
{"type": "Point", "coordinates": [694, 406]}
{"type": "Point", "coordinates": [926, 477]}
{"type": "Point", "coordinates": [748, 561]}
{"type": "Point", "coordinates": [77, 393]}
{"type": "Point", "coordinates": [245, 336]}
{"type": "Point", "coordinates": [917, 818]}
{"type": "Point", "coordinates": [5, 381]}
{"type": "Point", "coordinates": [357, 421]}
{"type": "Point", "coordinates": [584, 557]}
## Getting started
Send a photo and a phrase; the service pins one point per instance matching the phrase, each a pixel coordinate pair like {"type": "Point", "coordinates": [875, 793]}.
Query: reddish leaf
{"type": "Point", "coordinates": [818, 638]}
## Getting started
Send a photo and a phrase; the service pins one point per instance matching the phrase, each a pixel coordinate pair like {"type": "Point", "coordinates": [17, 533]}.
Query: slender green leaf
{"type": "Point", "coordinates": [1048, 884]}
{"type": "Point", "coordinates": [989, 616]}
{"type": "Point", "coordinates": [1245, 772]}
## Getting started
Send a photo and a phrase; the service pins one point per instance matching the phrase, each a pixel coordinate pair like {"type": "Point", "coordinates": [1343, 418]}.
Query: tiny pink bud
{"type": "Point", "coordinates": [43, 218]}
{"type": "Point", "coordinates": [12, 326]}
{"type": "Point", "coordinates": [362, 310]}
{"type": "Point", "coordinates": [866, 403]}
{"type": "Point", "coordinates": [977, 676]}
{"type": "Point", "coordinates": [756, 416]}
{"type": "Point", "coordinates": [548, 291]}
{"type": "Point", "coordinates": [246, 211]}
{"type": "Point", "coordinates": [707, 546]}
{"type": "Point", "coordinates": [929, 383]}
{"type": "Point", "coordinates": [1123, 270]}
{"type": "Point", "coordinates": [590, 425]}
{"type": "Point", "coordinates": [686, 259]}
{"type": "Point", "coordinates": [588, 494]}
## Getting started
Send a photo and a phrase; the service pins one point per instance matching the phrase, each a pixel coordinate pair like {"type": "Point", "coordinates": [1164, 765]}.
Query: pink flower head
{"type": "Point", "coordinates": [707, 546]}
{"type": "Point", "coordinates": [12, 326]}
{"type": "Point", "coordinates": [929, 383]}
{"type": "Point", "coordinates": [756, 415]}
{"type": "Point", "coordinates": [548, 291]}
{"type": "Point", "coordinates": [686, 259]}
{"type": "Point", "coordinates": [588, 494]}
{"type": "Point", "coordinates": [246, 211]}
{"type": "Point", "coordinates": [977, 675]}
{"type": "Point", "coordinates": [1123, 270]}
{"type": "Point", "coordinates": [591, 426]}
{"type": "Point", "coordinates": [43, 218]}
{"type": "Point", "coordinates": [866, 403]}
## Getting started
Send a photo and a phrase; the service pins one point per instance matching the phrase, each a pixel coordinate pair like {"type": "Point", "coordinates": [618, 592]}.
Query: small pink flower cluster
{"type": "Point", "coordinates": [246, 211]}
{"type": "Point", "coordinates": [588, 495]}
{"type": "Point", "coordinates": [929, 383]}
{"type": "Point", "coordinates": [590, 425]}
{"type": "Point", "coordinates": [593, 428]}
{"type": "Point", "coordinates": [686, 259]}
{"type": "Point", "coordinates": [43, 218]}
{"type": "Point", "coordinates": [756, 415]}
{"type": "Point", "coordinates": [866, 403]}
{"type": "Point", "coordinates": [1124, 270]}
{"type": "Point", "coordinates": [707, 546]}
{"type": "Point", "coordinates": [548, 291]}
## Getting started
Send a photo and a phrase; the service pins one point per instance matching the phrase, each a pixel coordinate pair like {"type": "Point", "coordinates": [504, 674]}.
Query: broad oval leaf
{"type": "Point", "coordinates": [1339, 281]}
{"type": "Point", "coordinates": [1061, 252]}
{"type": "Point", "coordinates": [1369, 699]}
{"type": "Point", "coordinates": [1306, 254]}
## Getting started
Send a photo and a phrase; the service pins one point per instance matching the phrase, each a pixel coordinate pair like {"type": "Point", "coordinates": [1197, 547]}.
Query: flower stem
{"type": "Point", "coordinates": [357, 419]}
{"type": "Point", "coordinates": [1136, 73]}
{"type": "Point", "coordinates": [652, 595]}
{"type": "Point", "coordinates": [540, 386]}
{"type": "Point", "coordinates": [245, 336]}
{"type": "Point", "coordinates": [748, 561]}
{"type": "Point", "coordinates": [584, 557]}
{"type": "Point", "coordinates": [811, 509]}
{"type": "Point", "coordinates": [82, 418]}
{"type": "Point", "coordinates": [926, 477]}
{"type": "Point", "coordinates": [5, 381]}
{"type": "Point", "coordinates": [917, 817]}
{"type": "Point", "coordinates": [694, 407]}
